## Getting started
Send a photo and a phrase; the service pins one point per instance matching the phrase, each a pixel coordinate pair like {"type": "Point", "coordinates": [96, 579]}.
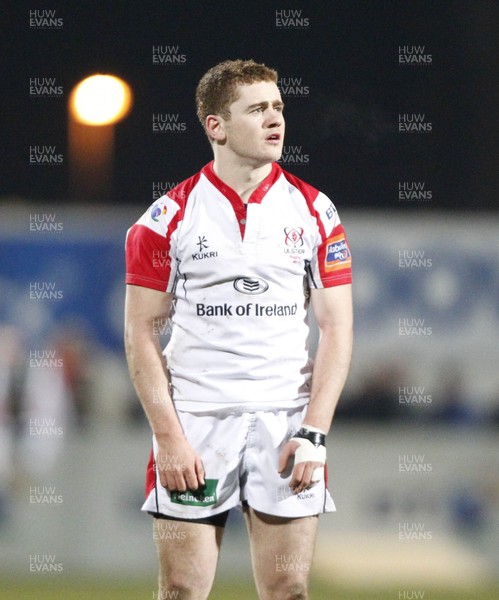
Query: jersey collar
{"type": "Point", "coordinates": [256, 196]}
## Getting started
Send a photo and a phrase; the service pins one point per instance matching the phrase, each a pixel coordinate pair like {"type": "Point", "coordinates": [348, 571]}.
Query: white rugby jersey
{"type": "Point", "coordinates": [240, 276]}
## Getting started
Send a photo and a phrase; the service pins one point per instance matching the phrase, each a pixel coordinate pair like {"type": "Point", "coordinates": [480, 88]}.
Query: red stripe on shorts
{"type": "Point", "coordinates": [150, 475]}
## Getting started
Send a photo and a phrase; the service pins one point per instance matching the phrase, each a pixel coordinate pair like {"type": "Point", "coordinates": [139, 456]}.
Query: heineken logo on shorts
{"type": "Point", "coordinates": [205, 496]}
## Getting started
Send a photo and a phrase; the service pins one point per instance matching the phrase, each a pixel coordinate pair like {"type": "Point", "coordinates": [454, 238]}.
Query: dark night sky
{"type": "Point", "coordinates": [347, 124]}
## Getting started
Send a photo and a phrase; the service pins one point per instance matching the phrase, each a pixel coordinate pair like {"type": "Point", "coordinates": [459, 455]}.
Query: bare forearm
{"type": "Point", "coordinates": [331, 367]}
{"type": "Point", "coordinates": [178, 465]}
{"type": "Point", "coordinates": [148, 373]}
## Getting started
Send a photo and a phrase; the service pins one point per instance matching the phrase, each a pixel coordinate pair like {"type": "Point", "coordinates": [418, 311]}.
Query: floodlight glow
{"type": "Point", "coordinates": [101, 100]}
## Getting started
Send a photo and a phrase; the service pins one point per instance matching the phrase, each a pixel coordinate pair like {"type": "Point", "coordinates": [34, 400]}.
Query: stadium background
{"type": "Point", "coordinates": [413, 451]}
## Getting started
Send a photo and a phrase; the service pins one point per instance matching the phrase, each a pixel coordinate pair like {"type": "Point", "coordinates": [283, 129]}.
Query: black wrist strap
{"type": "Point", "coordinates": [317, 439]}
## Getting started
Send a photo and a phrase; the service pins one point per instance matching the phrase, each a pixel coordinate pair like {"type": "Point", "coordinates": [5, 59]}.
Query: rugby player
{"type": "Point", "coordinates": [231, 258]}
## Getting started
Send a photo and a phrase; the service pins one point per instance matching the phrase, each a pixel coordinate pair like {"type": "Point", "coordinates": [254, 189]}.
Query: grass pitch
{"type": "Point", "coordinates": [57, 588]}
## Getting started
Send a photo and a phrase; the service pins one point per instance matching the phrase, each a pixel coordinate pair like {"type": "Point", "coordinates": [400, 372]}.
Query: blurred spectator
{"type": "Point", "coordinates": [11, 376]}
{"type": "Point", "coordinates": [74, 348]}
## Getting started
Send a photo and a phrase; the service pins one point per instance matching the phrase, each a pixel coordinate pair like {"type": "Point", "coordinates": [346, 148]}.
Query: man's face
{"type": "Point", "coordinates": [254, 133]}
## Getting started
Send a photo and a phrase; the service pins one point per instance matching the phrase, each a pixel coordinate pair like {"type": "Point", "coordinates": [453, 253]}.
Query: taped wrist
{"type": "Point", "coordinates": [312, 448]}
{"type": "Point", "coordinates": [313, 434]}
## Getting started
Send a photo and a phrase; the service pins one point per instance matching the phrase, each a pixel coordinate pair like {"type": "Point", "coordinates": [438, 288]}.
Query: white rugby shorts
{"type": "Point", "coordinates": [240, 454]}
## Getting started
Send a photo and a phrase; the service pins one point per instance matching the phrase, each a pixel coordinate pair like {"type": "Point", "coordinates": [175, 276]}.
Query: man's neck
{"type": "Point", "coordinates": [242, 178]}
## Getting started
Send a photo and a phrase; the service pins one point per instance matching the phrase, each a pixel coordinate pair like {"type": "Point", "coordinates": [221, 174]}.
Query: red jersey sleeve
{"type": "Point", "coordinates": [334, 259]}
{"type": "Point", "coordinates": [150, 248]}
{"type": "Point", "coordinates": [151, 243]}
{"type": "Point", "coordinates": [331, 263]}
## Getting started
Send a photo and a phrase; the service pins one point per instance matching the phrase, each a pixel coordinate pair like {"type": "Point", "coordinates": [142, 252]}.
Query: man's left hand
{"type": "Point", "coordinates": [305, 473]}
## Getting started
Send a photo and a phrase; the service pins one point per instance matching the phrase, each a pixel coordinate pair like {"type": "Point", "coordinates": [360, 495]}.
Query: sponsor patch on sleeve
{"type": "Point", "coordinates": [337, 254]}
{"type": "Point", "coordinates": [157, 210]}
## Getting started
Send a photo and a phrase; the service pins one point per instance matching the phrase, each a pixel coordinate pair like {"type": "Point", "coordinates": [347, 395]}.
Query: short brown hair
{"type": "Point", "coordinates": [217, 88]}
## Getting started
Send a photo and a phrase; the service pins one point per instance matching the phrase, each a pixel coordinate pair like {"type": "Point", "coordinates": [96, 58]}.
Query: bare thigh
{"type": "Point", "coordinates": [187, 555]}
{"type": "Point", "coordinates": [282, 552]}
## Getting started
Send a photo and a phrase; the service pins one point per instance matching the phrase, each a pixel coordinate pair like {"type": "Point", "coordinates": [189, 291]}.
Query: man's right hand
{"type": "Point", "coordinates": [179, 467]}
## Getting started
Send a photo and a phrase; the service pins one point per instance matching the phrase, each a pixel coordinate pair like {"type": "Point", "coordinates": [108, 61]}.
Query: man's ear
{"type": "Point", "coordinates": [215, 128]}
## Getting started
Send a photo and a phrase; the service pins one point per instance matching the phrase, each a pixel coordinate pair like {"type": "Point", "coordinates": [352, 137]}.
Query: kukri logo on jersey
{"type": "Point", "coordinates": [203, 253]}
